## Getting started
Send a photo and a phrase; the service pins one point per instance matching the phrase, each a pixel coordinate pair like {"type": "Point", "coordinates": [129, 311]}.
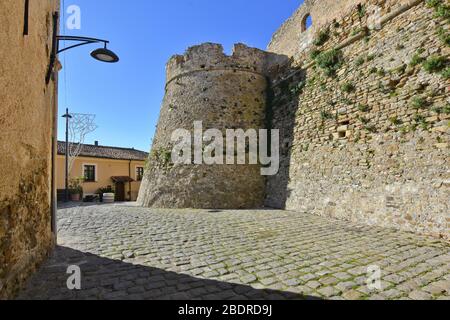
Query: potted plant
{"type": "Point", "coordinates": [76, 189]}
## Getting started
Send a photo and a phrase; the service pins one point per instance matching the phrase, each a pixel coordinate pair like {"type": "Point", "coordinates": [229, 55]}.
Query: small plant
{"type": "Point", "coordinates": [433, 3]}
{"type": "Point", "coordinates": [363, 120]}
{"type": "Point", "coordinates": [360, 61]}
{"type": "Point", "coordinates": [401, 69]}
{"type": "Point", "coordinates": [361, 11]}
{"type": "Point", "coordinates": [396, 121]}
{"type": "Point", "coordinates": [371, 128]}
{"type": "Point", "coordinates": [322, 37]}
{"type": "Point", "coordinates": [347, 101]}
{"type": "Point", "coordinates": [370, 57]}
{"type": "Point", "coordinates": [437, 110]}
{"type": "Point", "coordinates": [356, 32]}
{"type": "Point", "coordinates": [330, 61]}
{"type": "Point", "coordinates": [393, 94]}
{"type": "Point", "coordinates": [348, 87]}
{"type": "Point", "coordinates": [363, 107]}
{"type": "Point", "coordinates": [421, 50]}
{"type": "Point", "coordinates": [325, 115]}
{"type": "Point", "coordinates": [419, 103]}
{"type": "Point", "coordinates": [435, 64]}
{"type": "Point", "coordinates": [373, 70]}
{"type": "Point", "coordinates": [419, 118]}
{"type": "Point", "coordinates": [446, 73]}
{"type": "Point", "coordinates": [76, 186]}
{"type": "Point", "coordinates": [442, 11]}
{"type": "Point", "coordinates": [314, 53]}
{"type": "Point", "coordinates": [162, 156]}
{"type": "Point", "coordinates": [446, 110]}
{"type": "Point", "coordinates": [381, 72]}
{"type": "Point", "coordinates": [416, 60]}
{"type": "Point", "coordinates": [444, 36]}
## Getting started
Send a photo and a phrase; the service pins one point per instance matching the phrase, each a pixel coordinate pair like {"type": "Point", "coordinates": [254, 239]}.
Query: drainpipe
{"type": "Point", "coordinates": [129, 183]}
{"type": "Point", "coordinates": [54, 200]}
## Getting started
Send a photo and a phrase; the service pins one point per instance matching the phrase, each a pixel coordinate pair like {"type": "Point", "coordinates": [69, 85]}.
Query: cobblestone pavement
{"type": "Point", "coordinates": [126, 252]}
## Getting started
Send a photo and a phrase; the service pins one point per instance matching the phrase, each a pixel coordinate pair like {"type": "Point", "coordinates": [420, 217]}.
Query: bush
{"type": "Point", "coordinates": [330, 61]}
{"type": "Point", "coordinates": [446, 73]}
{"type": "Point", "coordinates": [416, 60]}
{"type": "Point", "coordinates": [435, 64]}
{"type": "Point", "coordinates": [325, 115]}
{"type": "Point", "coordinates": [433, 3]}
{"type": "Point", "coordinates": [348, 87]}
{"type": "Point", "coordinates": [360, 61]}
{"type": "Point", "coordinates": [443, 11]}
{"type": "Point", "coordinates": [361, 11]}
{"type": "Point", "coordinates": [444, 35]}
{"type": "Point", "coordinates": [363, 108]}
{"type": "Point", "coordinates": [395, 121]}
{"type": "Point", "coordinates": [314, 54]}
{"type": "Point", "coordinates": [381, 72]}
{"type": "Point", "coordinates": [322, 37]}
{"type": "Point", "coordinates": [419, 103]}
{"type": "Point", "coordinates": [419, 118]}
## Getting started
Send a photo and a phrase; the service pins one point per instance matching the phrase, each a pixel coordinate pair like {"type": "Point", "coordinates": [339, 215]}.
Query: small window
{"type": "Point", "coordinates": [139, 173]}
{"type": "Point", "coordinates": [89, 173]}
{"type": "Point", "coordinates": [306, 22]}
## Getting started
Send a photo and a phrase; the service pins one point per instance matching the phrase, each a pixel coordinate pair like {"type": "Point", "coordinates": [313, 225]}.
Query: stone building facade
{"type": "Point", "coordinates": [25, 141]}
{"type": "Point", "coordinates": [362, 103]}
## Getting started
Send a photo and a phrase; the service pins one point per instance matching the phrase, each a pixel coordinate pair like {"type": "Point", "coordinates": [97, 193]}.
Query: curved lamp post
{"type": "Point", "coordinates": [102, 54]}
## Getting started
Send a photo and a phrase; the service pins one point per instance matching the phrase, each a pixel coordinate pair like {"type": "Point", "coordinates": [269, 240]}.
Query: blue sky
{"type": "Point", "coordinates": [127, 96]}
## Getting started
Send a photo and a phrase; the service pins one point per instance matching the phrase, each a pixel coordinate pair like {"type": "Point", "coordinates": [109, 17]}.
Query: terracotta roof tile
{"type": "Point", "coordinates": [115, 153]}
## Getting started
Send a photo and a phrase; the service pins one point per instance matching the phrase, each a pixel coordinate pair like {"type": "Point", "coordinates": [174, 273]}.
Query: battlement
{"type": "Point", "coordinates": [211, 56]}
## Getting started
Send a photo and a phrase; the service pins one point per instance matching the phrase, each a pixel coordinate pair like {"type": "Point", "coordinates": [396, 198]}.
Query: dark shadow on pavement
{"type": "Point", "coordinates": [106, 279]}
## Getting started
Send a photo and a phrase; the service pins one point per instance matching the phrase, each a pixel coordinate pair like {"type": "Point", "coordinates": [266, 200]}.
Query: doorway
{"type": "Point", "coordinates": [120, 191]}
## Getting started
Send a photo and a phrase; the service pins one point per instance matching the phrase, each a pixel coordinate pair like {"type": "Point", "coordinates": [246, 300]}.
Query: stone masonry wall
{"type": "Point", "coordinates": [225, 92]}
{"type": "Point", "coordinates": [292, 38]}
{"type": "Point", "coordinates": [365, 128]}
{"type": "Point", "coordinates": [26, 107]}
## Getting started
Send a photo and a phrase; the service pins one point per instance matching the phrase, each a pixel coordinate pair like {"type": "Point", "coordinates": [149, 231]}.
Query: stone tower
{"type": "Point", "coordinates": [224, 92]}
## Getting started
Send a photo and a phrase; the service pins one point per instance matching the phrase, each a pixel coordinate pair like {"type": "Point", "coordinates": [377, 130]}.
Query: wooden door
{"type": "Point", "coordinates": [120, 191]}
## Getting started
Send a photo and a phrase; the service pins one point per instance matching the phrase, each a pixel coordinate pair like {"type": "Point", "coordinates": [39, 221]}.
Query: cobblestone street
{"type": "Point", "coordinates": [126, 252]}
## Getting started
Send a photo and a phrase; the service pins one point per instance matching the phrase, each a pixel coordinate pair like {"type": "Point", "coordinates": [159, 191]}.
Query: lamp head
{"type": "Point", "coordinates": [105, 55]}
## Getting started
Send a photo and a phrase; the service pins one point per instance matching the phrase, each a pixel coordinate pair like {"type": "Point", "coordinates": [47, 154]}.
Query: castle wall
{"type": "Point", "coordinates": [225, 92]}
{"type": "Point", "coordinates": [370, 144]}
{"type": "Point", "coordinates": [292, 39]}
{"type": "Point", "coordinates": [27, 104]}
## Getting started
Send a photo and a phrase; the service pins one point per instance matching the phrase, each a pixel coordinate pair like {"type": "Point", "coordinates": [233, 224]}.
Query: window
{"type": "Point", "coordinates": [306, 22]}
{"type": "Point", "coordinates": [90, 173]}
{"type": "Point", "coordinates": [139, 173]}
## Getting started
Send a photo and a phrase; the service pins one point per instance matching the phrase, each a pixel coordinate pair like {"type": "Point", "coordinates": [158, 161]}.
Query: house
{"type": "Point", "coordinates": [101, 167]}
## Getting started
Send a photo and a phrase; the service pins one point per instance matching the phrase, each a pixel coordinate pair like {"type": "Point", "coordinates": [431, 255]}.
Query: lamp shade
{"type": "Point", "coordinates": [105, 55]}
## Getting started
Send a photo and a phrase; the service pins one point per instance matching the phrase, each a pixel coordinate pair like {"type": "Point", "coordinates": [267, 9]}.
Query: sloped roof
{"type": "Point", "coordinates": [104, 152]}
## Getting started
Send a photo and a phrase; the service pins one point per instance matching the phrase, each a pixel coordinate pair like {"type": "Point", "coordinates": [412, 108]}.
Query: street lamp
{"type": "Point", "coordinates": [101, 54]}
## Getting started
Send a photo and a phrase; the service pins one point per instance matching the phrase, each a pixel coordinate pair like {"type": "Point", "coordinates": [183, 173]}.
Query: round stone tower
{"type": "Point", "coordinates": [224, 92]}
